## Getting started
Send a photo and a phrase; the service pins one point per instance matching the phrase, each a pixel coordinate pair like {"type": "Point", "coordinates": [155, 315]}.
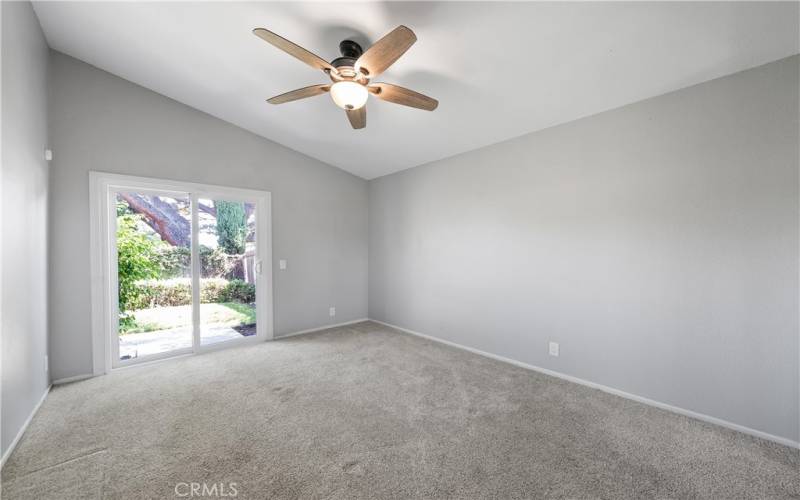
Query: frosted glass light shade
{"type": "Point", "coordinates": [349, 95]}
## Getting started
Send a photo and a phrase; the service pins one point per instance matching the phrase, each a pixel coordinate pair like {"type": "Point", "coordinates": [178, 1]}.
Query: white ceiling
{"type": "Point", "coordinates": [499, 70]}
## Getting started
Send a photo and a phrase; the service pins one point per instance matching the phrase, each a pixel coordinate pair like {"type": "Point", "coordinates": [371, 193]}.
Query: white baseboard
{"type": "Point", "coordinates": [23, 428]}
{"type": "Point", "coordinates": [76, 378]}
{"type": "Point", "coordinates": [320, 328]}
{"type": "Point", "coordinates": [610, 390]}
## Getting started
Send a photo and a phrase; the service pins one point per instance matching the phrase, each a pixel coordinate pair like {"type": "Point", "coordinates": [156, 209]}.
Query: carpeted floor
{"type": "Point", "coordinates": [368, 412]}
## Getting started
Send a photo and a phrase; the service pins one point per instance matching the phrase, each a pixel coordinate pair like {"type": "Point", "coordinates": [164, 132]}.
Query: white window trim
{"type": "Point", "coordinates": [102, 293]}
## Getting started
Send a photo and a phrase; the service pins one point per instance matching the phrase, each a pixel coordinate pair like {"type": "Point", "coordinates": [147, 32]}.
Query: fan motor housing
{"type": "Point", "coordinates": [351, 51]}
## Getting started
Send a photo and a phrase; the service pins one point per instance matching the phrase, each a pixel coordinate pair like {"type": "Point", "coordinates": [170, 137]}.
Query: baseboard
{"type": "Point", "coordinates": [610, 390]}
{"type": "Point", "coordinates": [24, 427]}
{"type": "Point", "coordinates": [320, 328]}
{"type": "Point", "coordinates": [76, 378]}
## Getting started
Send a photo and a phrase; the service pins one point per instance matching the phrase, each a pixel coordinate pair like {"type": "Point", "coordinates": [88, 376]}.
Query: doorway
{"type": "Point", "coordinates": [184, 267]}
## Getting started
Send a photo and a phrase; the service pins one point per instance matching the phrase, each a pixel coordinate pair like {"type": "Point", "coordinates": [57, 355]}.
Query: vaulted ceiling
{"type": "Point", "coordinates": [499, 70]}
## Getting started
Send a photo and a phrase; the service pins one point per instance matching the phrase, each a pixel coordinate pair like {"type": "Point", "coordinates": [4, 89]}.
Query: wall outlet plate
{"type": "Point", "coordinates": [282, 264]}
{"type": "Point", "coordinates": [554, 349]}
{"type": "Point", "coordinates": [46, 364]}
{"type": "Point", "coordinates": [332, 311]}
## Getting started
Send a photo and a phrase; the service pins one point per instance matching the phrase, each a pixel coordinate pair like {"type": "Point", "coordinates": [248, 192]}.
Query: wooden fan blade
{"type": "Point", "coordinates": [294, 95]}
{"type": "Point", "coordinates": [386, 51]}
{"type": "Point", "coordinates": [293, 49]}
{"type": "Point", "coordinates": [404, 96]}
{"type": "Point", "coordinates": [357, 117]}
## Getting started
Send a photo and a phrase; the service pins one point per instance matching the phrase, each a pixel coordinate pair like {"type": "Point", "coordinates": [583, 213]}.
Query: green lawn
{"type": "Point", "coordinates": [165, 318]}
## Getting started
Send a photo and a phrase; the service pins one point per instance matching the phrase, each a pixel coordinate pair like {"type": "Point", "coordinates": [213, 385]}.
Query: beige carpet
{"type": "Point", "coordinates": [368, 412]}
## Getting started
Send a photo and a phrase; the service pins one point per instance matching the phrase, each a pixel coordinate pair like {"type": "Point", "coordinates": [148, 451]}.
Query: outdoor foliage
{"type": "Point", "coordinates": [178, 292]}
{"type": "Point", "coordinates": [214, 263]}
{"type": "Point", "coordinates": [231, 226]}
{"type": "Point", "coordinates": [154, 270]}
{"type": "Point", "coordinates": [137, 260]}
{"type": "Point", "coordinates": [176, 262]}
{"type": "Point", "coordinates": [239, 291]}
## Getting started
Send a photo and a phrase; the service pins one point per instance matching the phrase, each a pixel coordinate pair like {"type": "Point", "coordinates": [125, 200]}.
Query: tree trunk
{"type": "Point", "coordinates": [163, 217]}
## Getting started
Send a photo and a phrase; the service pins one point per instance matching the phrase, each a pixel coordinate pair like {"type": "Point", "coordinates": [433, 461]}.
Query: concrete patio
{"type": "Point", "coordinates": [136, 345]}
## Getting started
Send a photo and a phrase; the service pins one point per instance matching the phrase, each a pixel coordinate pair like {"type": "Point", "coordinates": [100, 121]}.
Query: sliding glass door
{"type": "Point", "coordinates": [185, 267]}
{"type": "Point", "coordinates": [154, 273]}
{"type": "Point", "coordinates": [229, 268]}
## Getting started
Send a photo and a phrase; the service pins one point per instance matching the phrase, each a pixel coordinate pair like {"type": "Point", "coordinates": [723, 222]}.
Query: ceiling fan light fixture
{"type": "Point", "coordinates": [349, 95]}
{"type": "Point", "coordinates": [352, 72]}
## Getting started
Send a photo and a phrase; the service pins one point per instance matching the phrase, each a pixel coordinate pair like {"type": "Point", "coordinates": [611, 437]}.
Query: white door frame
{"type": "Point", "coordinates": [102, 212]}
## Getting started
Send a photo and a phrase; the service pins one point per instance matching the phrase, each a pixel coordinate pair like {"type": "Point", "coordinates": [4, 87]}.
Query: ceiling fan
{"type": "Point", "coordinates": [351, 74]}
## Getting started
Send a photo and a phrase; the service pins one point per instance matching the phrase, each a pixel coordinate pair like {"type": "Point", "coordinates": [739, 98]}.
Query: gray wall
{"type": "Point", "coordinates": [24, 217]}
{"type": "Point", "coordinates": [102, 122]}
{"type": "Point", "coordinates": [657, 243]}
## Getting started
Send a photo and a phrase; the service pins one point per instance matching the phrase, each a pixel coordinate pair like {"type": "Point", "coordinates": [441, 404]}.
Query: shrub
{"type": "Point", "coordinates": [176, 262]}
{"type": "Point", "coordinates": [137, 259]}
{"type": "Point", "coordinates": [239, 291]}
{"type": "Point", "coordinates": [214, 263]}
{"type": "Point", "coordinates": [212, 290]}
{"type": "Point", "coordinates": [172, 292]}
{"type": "Point", "coordinates": [178, 292]}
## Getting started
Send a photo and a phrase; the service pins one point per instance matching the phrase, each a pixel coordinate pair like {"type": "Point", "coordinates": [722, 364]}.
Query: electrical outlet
{"type": "Point", "coordinates": [554, 349]}
{"type": "Point", "coordinates": [46, 364]}
{"type": "Point", "coordinates": [282, 264]}
{"type": "Point", "coordinates": [332, 311]}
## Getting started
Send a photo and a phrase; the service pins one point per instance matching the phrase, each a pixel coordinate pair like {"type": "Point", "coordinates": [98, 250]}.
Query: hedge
{"type": "Point", "coordinates": [176, 262]}
{"type": "Point", "coordinates": [178, 292]}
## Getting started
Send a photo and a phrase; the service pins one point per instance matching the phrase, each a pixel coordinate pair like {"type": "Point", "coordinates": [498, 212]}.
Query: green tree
{"type": "Point", "coordinates": [231, 226]}
{"type": "Point", "coordinates": [138, 258]}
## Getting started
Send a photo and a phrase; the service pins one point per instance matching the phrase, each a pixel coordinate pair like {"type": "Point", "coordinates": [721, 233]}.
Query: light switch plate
{"type": "Point", "coordinates": [282, 264]}
{"type": "Point", "coordinates": [554, 349]}
{"type": "Point", "coordinates": [332, 311]}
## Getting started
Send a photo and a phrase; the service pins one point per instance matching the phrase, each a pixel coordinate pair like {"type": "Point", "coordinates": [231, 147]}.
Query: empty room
{"type": "Point", "coordinates": [400, 250]}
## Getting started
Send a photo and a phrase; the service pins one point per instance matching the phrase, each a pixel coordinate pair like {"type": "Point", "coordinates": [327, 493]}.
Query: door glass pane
{"type": "Point", "coordinates": [154, 235]}
{"type": "Point", "coordinates": [227, 238]}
